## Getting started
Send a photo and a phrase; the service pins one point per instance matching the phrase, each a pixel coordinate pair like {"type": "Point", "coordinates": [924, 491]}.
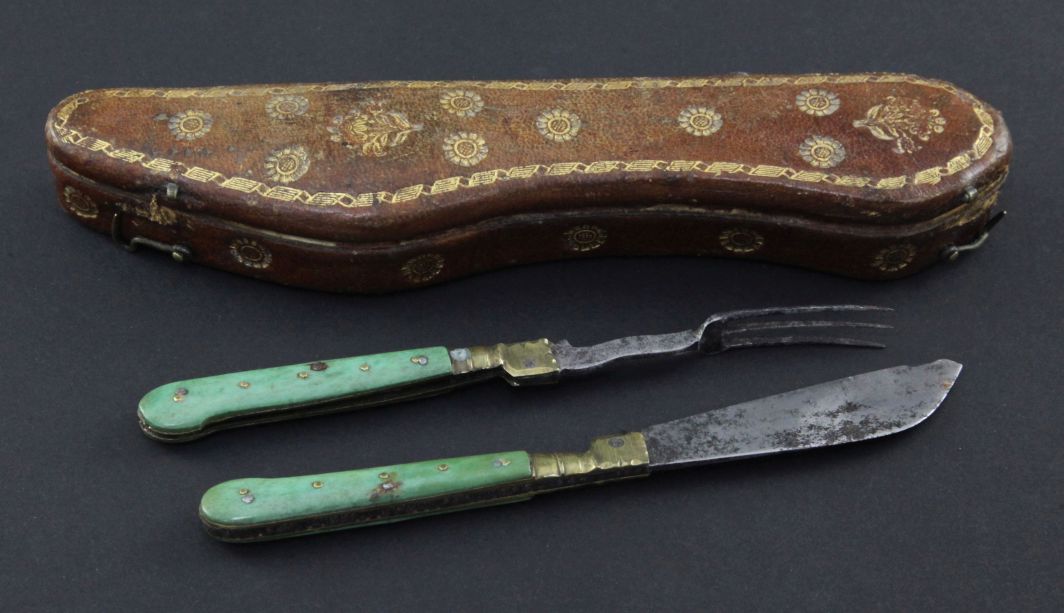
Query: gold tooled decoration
{"type": "Point", "coordinates": [190, 125]}
{"type": "Point", "coordinates": [817, 102]}
{"type": "Point", "coordinates": [904, 121]}
{"type": "Point", "coordinates": [80, 204]}
{"type": "Point", "coordinates": [422, 268]}
{"type": "Point", "coordinates": [558, 125]}
{"type": "Point", "coordinates": [250, 253]}
{"type": "Point", "coordinates": [461, 102]}
{"type": "Point", "coordinates": [287, 164]}
{"type": "Point", "coordinates": [741, 240]}
{"type": "Point", "coordinates": [286, 107]}
{"type": "Point", "coordinates": [465, 149]}
{"type": "Point", "coordinates": [895, 257]}
{"type": "Point", "coordinates": [372, 130]}
{"type": "Point", "coordinates": [822, 151]}
{"type": "Point", "coordinates": [585, 237]}
{"type": "Point", "coordinates": [927, 176]}
{"type": "Point", "coordinates": [700, 120]}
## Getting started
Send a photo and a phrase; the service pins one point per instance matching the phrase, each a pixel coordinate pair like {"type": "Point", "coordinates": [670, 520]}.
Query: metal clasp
{"type": "Point", "coordinates": [179, 253]}
{"type": "Point", "coordinates": [952, 252]}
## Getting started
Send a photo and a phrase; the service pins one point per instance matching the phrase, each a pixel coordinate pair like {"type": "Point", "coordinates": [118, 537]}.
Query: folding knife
{"type": "Point", "coordinates": [853, 409]}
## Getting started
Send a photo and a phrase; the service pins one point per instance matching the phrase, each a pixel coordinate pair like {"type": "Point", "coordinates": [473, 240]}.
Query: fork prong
{"type": "Point", "coordinates": [733, 322]}
{"type": "Point", "coordinates": [783, 325]}
{"type": "Point", "coordinates": [794, 310]}
{"type": "Point", "coordinates": [769, 341]}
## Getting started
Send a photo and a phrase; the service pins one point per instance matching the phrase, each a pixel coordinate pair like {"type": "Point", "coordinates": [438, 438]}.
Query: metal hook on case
{"type": "Point", "coordinates": [952, 252]}
{"type": "Point", "coordinates": [179, 253]}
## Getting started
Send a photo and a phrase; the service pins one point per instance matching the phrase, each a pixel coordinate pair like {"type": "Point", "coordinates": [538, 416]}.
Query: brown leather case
{"type": "Point", "coordinates": [371, 187]}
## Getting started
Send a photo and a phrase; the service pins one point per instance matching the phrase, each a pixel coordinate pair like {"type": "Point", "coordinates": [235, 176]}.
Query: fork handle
{"type": "Point", "coordinates": [184, 410]}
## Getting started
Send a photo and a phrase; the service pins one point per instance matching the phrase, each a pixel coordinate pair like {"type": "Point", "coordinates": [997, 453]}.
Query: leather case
{"type": "Point", "coordinates": [372, 187]}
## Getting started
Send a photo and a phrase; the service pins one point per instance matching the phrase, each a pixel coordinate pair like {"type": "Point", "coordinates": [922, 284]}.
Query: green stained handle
{"type": "Point", "coordinates": [185, 410]}
{"type": "Point", "coordinates": [262, 509]}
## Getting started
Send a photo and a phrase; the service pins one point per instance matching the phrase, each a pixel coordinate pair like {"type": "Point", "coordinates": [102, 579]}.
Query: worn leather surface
{"type": "Point", "coordinates": [388, 185]}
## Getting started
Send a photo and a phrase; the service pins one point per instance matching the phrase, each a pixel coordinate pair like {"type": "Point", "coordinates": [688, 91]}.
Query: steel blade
{"type": "Point", "coordinates": [853, 409]}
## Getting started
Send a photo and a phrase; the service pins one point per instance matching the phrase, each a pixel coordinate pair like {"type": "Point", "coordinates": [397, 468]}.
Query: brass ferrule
{"type": "Point", "coordinates": [620, 456]}
{"type": "Point", "coordinates": [525, 360]}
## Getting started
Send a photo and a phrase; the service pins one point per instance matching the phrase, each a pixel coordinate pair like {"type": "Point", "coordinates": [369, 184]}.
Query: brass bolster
{"type": "Point", "coordinates": [518, 360]}
{"type": "Point", "coordinates": [620, 456]}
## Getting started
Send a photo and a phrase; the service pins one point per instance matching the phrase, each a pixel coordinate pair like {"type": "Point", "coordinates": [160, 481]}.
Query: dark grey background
{"type": "Point", "coordinates": [963, 513]}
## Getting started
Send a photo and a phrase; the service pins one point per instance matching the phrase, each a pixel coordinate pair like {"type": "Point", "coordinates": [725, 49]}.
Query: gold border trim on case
{"type": "Point", "coordinates": [927, 176]}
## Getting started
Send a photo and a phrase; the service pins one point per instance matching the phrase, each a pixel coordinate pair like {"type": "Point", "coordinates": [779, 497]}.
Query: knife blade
{"type": "Point", "coordinates": [190, 409]}
{"type": "Point", "coordinates": [856, 408]}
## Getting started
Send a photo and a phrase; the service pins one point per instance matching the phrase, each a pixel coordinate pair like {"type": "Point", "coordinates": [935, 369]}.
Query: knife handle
{"type": "Point", "coordinates": [257, 509]}
{"type": "Point", "coordinates": [188, 409]}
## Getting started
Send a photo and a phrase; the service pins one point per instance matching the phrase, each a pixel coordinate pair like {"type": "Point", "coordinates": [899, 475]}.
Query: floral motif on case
{"type": "Point", "coordinates": [286, 107]}
{"type": "Point", "coordinates": [905, 121]}
{"type": "Point", "coordinates": [190, 125]}
{"type": "Point", "coordinates": [372, 130]}
{"type": "Point", "coordinates": [422, 268]}
{"type": "Point", "coordinates": [822, 151]}
{"type": "Point", "coordinates": [465, 149]}
{"type": "Point", "coordinates": [558, 125]}
{"type": "Point", "coordinates": [700, 120]}
{"type": "Point", "coordinates": [461, 102]}
{"type": "Point", "coordinates": [817, 102]}
{"type": "Point", "coordinates": [287, 164]}
{"type": "Point", "coordinates": [250, 253]}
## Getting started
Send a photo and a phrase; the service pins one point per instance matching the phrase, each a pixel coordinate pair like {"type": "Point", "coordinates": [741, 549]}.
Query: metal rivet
{"type": "Point", "coordinates": [387, 485]}
{"type": "Point", "coordinates": [970, 193]}
{"type": "Point", "coordinates": [460, 354]}
{"type": "Point", "coordinates": [244, 491]}
{"type": "Point", "coordinates": [318, 366]}
{"type": "Point", "coordinates": [171, 190]}
{"type": "Point", "coordinates": [616, 442]}
{"type": "Point", "coordinates": [179, 394]}
{"type": "Point", "coordinates": [420, 360]}
{"type": "Point", "coordinates": [501, 462]}
{"type": "Point", "coordinates": [364, 367]}
{"type": "Point", "coordinates": [443, 468]}
{"type": "Point", "coordinates": [244, 385]}
{"type": "Point", "coordinates": [248, 499]}
{"type": "Point", "coordinates": [317, 485]}
{"type": "Point", "coordinates": [384, 476]}
{"type": "Point", "coordinates": [302, 374]}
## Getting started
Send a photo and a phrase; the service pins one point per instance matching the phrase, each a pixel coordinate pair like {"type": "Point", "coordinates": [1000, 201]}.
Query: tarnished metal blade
{"type": "Point", "coordinates": [853, 409]}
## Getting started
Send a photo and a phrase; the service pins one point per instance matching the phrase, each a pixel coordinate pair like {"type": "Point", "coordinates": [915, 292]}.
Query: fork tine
{"type": "Point", "coordinates": [796, 310]}
{"type": "Point", "coordinates": [721, 332]}
{"type": "Point", "coordinates": [783, 325]}
{"type": "Point", "coordinates": [768, 341]}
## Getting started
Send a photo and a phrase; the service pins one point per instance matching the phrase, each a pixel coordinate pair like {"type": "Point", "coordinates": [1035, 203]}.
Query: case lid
{"type": "Point", "coordinates": [386, 161]}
